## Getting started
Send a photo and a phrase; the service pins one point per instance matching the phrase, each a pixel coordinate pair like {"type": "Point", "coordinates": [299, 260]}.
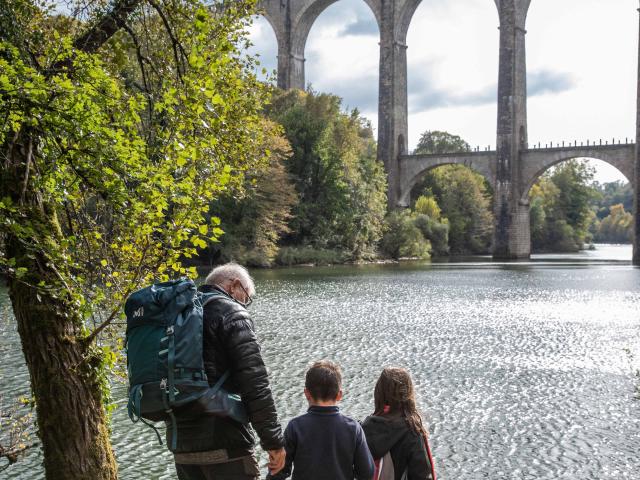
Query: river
{"type": "Point", "coordinates": [522, 368]}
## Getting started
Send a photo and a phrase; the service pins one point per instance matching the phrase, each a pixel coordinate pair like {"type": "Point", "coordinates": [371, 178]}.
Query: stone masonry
{"type": "Point", "coordinates": [511, 169]}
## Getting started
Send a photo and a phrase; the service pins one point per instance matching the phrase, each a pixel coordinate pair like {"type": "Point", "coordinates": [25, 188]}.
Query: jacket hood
{"type": "Point", "coordinates": [383, 433]}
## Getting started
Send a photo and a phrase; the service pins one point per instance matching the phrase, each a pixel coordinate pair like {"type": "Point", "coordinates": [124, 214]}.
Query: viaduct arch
{"type": "Point", "coordinates": [511, 169]}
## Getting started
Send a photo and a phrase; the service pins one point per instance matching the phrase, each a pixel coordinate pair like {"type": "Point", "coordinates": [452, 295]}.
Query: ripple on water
{"type": "Point", "coordinates": [521, 370]}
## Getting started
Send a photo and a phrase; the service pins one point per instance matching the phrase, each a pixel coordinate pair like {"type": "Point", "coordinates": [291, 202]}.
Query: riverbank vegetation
{"type": "Point", "coordinates": [463, 196]}
{"type": "Point", "coordinates": [569, 211]}
{"type": "Point", "coordinates": [322, 199]}
{"type": "Point", "coordinates": [324, 203]}
{"type": "Point", "coordinates": [337, 212]}
{"type": "Point", "coordinates": [613, 207]}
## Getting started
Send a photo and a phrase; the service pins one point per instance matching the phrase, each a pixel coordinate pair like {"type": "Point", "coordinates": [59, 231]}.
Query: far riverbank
{"type": "Point", "coordinates": [311, 257]}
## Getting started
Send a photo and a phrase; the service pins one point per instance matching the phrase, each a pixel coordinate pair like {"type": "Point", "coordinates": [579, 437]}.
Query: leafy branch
{"type": "Point", "coordinates": [16, 433]}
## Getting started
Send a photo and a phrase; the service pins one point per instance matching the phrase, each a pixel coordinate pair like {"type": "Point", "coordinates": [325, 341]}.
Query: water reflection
{"type": "Point", "coordinates": [521, 366]}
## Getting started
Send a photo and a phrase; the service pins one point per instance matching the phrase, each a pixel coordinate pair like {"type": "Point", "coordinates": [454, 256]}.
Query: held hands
{"type": "Point", "coordinates": [276, 460]}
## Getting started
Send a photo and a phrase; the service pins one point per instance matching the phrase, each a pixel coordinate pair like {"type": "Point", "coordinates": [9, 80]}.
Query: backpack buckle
{"type": "Point", "coordinates": [163, 384]}
{"type": "Point", "coordinates": [170, 330]}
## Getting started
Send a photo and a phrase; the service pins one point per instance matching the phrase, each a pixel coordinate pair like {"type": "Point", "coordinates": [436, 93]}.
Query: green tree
{"type": "Point", "coordinates": [119, 129]}
{"type": "Point", "coordinates": [610, 194]}
{"type": "Point", "coordinates": [427, 206]}
{"type": "Point", "coordinates": [427, 217]}
{"type": "Point", "coordinates": [617, 227]}
{"type": "Point", "coordinates": [543, 193]}
{"type": "Point", "coordinates": [437, 142]}
{"type": "Point", "coordinates": [562, 212]}
{"type": "Point", "coordinates": [463, 196]}
{"type": "Point", "coordinates": [255, 218]}
{"type": "Point", "coordinates": [402, 238]}
{"type": "Point", "coordinates": [340, 184]}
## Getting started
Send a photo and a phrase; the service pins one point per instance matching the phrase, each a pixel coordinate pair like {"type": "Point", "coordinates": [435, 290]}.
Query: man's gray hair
{"type": "Point", "coordinates": [228, 272]}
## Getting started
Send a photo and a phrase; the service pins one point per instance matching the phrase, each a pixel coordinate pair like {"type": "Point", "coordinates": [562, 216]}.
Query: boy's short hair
{"type": "Point", "coordinates": [323, 380]}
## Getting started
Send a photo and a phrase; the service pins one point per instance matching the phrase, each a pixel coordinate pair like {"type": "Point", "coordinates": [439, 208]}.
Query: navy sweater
{"type": "Point", "coordinates": [323, 444]}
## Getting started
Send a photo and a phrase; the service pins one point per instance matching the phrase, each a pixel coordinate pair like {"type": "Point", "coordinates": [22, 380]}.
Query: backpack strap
{"type": "Point", "coordinates": [133, 408]}
{"type": "Point", "coordinates": [174, 424]}
{"type": "Point", "coordinates": [171, 363]}
{"type": "Point", "coordinates": [169, 396]}
{"type": "Point", "coordinates": [427, 451]}
{"type": "Point", "coordinates": [218, 384]}
{"type": "Point", "coordinates": [206, 297]}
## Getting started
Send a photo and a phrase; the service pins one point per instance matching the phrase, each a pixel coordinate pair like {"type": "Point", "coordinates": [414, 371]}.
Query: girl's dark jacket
{"type": "Point", "coordinates": [230, 343]}
{"type": "Point", "coordinates": [392, 434]}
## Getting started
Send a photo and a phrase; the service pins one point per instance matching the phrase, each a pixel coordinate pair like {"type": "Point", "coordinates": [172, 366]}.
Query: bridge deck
{"type": "Point", "coordinates": [534, 162]}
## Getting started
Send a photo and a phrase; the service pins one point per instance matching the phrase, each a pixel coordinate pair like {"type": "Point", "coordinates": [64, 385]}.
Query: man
{"type": "Point", "coordinates": [219, 448]}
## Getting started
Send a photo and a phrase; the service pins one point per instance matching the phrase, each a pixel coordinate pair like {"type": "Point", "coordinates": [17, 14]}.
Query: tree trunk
{"type": "Point", "coordinates": [71, 420]}
{"type": "Point", "coordinates": [63, 369]}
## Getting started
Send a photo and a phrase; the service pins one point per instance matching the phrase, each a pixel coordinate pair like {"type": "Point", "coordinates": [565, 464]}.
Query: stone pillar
{"type": "Point", "coordinates": [285, 18]}
{"type": "Point", "coordinates": [635, 181]}
{"type": "Point", "coordinates": [512, 236]}
{"type": "Point", "coordinates": [393, 20]}
{"type": "Point", "coordinates": [290, 67]}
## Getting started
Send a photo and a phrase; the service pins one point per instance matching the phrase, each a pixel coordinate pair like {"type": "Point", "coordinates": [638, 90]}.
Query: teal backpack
{"type": "Point", "coordinates": [164, 358]}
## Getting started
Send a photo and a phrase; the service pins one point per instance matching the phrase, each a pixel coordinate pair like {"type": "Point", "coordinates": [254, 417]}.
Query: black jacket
{"type": "Point", "coordinates": [408, 452]}
{"type": "Point", "coordinates": [229, 343]}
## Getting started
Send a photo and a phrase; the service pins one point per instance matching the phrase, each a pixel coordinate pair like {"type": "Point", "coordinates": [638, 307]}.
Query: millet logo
{"type": "Point", "coordinates": [139, 312]}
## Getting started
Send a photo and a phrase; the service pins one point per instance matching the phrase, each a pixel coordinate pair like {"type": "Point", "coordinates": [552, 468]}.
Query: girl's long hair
{"type": "Point", "coordinates": [394, 394]}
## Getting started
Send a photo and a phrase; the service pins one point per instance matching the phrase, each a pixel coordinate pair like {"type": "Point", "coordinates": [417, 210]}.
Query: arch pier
{"type": "Point", "coordinates": [511, 169]}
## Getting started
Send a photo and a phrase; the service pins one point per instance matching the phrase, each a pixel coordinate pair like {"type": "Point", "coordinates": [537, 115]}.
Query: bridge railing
{"type": "Point", "coordinates": [583, 143]}
{"type": "Point", "coordinates": [547, 146]}
{"type": "Point", "coordinates": [476, 149]}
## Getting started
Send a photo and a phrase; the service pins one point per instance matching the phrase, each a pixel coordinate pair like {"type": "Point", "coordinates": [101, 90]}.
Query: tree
{"type": "Point", "coordinates": [617, 227]}
{"type": "Point", "coordinates": [437, 142]}
{"type": "Point", "coordinates": [340, 184]}
{"type": "Point", "coordinates": [255, 218]}
{"type": "Point", "coordinates": [402, 238]}
{"type": "Point", "coordinates": [428, 206]}
{"type": "Point", "coordinates": [543, 193]}
{"type": "Point", "coordinates": [119, 127]}
{"type": "Point", "coordinates": [561, 207]}
{"type": "Point", "coordinates": [610, 194]}
{"type": "Point", "coordinates": [463, 195]}
{"type": "Point", "coordinates": [465, 201]}
{"type": "Point", "coordinates": [427, 219]}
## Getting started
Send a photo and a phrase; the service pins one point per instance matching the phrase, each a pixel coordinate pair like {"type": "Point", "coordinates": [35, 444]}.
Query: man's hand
{"type": "Point", "coordinates": [276, 460]}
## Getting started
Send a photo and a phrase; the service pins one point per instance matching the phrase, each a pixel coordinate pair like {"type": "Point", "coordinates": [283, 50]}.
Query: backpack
{"type": "Point", "coordinates": [384, 469]}
{"type": "Point", "coordinates": [164, 357]}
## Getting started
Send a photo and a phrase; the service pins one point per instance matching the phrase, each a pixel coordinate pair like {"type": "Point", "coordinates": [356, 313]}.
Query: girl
{"type": "Point", "coordinates": [396, 428]}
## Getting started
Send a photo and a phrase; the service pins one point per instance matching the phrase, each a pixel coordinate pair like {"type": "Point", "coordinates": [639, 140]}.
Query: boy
{"type": "Point", "coordinates": [324, 444]}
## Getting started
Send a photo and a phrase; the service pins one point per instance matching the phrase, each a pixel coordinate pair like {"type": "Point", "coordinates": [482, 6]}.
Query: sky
{"type": "Point", "coordinates": [581, 60]}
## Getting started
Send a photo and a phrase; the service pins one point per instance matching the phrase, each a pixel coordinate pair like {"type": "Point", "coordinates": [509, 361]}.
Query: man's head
{"type": "Point", "coordinates": [323, 383]}
{"type": "Point", "coordinates": [233, 279]}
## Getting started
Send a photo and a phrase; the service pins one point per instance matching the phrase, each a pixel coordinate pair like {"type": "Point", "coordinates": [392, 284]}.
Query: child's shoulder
{"type": "Point", "coordinates": [350, 422]}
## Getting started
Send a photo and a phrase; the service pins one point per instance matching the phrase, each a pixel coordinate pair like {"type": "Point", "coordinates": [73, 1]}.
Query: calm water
{"type": "Point", "coordinates": [521, 367]}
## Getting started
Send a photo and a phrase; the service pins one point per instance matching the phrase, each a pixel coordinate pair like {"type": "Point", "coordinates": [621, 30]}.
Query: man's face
{"type": "Point", "coordinates": [240, 292]}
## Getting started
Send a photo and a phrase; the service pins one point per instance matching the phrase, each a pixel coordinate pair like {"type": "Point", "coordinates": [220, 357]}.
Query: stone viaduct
{"type": "Point", "coordinates": [511, 169]}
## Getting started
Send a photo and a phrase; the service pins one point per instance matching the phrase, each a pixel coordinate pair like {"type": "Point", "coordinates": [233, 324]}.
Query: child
{"type": "Point", "coordinates": [324, 444]}
{"type": "Point", "coordinates": [396, 428]}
